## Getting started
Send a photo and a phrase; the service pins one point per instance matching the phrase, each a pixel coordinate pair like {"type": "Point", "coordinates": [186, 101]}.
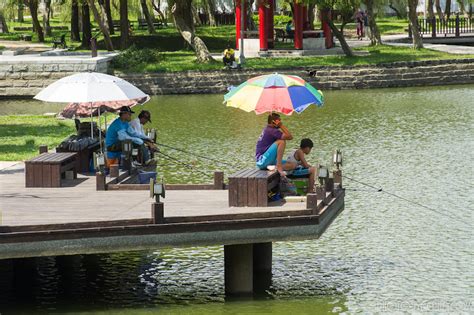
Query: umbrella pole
{"type": "Point", "coordinates": [100, 132]}
{"type": "Point", "coordinates": [92, 129]}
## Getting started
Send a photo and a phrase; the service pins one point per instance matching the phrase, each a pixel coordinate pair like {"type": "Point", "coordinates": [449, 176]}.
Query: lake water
{"type": "Point", "coordinates": [382, 254]}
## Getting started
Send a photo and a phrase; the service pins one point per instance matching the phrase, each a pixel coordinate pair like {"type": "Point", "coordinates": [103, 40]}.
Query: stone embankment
{"type": "Point", "coordinates": [398, 74]}
{"type": "Point", "coordinates": [27, 79]}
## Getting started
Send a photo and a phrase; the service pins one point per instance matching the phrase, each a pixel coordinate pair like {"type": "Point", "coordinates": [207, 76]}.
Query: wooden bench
{"type": "Point", "coordinates": [60, 41]}
{"type": "Point", "coordinates": [26, 37]}
{"type": "Point", "coordinates": [143, 24]}
{"type": "Point", "coordinates": [250, 187]}
{"type": "Point", "coordinates": [47, 169]}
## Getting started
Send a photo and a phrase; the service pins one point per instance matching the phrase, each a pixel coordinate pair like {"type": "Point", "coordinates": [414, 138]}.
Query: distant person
{"type": "Point", "coordinates": [229, 58]}
{"type": "Point", "coordinates": [359, 20]}
{"type": "Point", "coordinates": [302, 167]}
{"type": "Point", "coordinates": [366, 24]}
{"type": "Point", "coordinates": [271, 146]}
{"type": "Point", "coordinates": [137, 124]}
{"type": "Point", "coordinates": [119, 131]}
{"type": "Point", "coordinates": [289, 29]}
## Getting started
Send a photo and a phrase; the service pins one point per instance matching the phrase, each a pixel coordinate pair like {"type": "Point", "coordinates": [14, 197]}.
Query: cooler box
{"type": "Point", "coordinates": [144, 177]}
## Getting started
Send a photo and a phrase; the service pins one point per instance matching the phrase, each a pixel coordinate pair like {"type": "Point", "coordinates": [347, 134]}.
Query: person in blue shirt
{"type": "Point", "coordinates": [119, 131]}
{"type": "Point", "coordinates": [289, 29]}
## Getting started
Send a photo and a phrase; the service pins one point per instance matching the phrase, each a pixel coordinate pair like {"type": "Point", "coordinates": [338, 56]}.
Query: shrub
{"type": "Point", "coordinates": [134, 58]}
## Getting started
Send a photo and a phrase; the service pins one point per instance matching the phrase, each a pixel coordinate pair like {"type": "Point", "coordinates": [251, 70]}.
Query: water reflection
{"type": "Point", "coordinates": [380, 253]}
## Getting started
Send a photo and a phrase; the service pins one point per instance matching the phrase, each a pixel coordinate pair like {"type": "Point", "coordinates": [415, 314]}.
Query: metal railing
{"type": "Point", "coordinates": [442, 27]}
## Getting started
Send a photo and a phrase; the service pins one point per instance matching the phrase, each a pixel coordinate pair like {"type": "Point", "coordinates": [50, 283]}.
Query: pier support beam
{"type": "Point", "coordinates": [247, 268]}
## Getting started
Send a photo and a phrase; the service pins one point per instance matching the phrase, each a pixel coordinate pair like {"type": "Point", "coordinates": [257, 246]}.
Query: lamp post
{"type": "Point", "coordinates": [242, 27]}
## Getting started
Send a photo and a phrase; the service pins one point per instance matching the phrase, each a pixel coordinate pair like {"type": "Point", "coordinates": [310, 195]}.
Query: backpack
{"type": "Point", "coordinates": [287, 187]}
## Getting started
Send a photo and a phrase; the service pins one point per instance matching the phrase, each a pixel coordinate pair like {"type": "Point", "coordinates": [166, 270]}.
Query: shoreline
{"type": "Point", "coordinates": [25, 82]}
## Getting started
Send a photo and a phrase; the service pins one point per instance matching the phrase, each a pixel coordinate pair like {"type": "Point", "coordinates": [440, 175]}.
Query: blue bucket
{"type": "Point", "coordinates": [144, 177]}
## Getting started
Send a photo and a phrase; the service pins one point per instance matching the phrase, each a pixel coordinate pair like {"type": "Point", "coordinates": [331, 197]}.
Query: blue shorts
{"type": "Point", "coordinates": [269, 157]}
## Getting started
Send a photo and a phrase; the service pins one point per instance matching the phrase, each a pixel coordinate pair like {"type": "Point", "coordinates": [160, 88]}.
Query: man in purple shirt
{"type": "Point", "coordinates": [271, 145]}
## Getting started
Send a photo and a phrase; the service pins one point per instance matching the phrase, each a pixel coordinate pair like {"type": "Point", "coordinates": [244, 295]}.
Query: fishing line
{"type": "Point", "coordinates": [179, 162]}
{"type": "Point", "coordinates": [197, 155]}
{"type": "Point", "coordinates": [454, 217]}
{"type": "Point", "coordinates": [377, 189]}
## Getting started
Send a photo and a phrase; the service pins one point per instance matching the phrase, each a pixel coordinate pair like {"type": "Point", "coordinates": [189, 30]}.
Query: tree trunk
{"type": "Point", "coordinates": [430, 10]}
{"type": "Point", "coordinates": [439, 10]}
{"type": "Point", "coordinates": [375, 38]}
{"type": "Point", "coordinates": [104, 17]}
{"type": "Point", "coordinates": [21, 7]}
{"type": "Point", "coordinates": [462, 7]}
{"type": "Point", "coordinates": [211, 9]}
{"type": "Point", "coordinates": [447, 10]}
{"type": "Point", "coordinates": [86, 25]}
{"type": "Point", "coordinates": [33, 5]}
{"type": "Point", "coordinates": [417, 41]}
{"type": "Point", "coordinates": [342, 40]}
{"type": "Point", "coordinates": [3, 24]}
{"type": "Point", "coordinates": [311, 15]}
{"type": "Point", "coordinates": [102, 24]}
{"type": "Point", "coordinates": [399, 15]}
{"type": "Point", "coordinates": [158, 10]}
{"type": "Point", "coordinates": [124, 27]}
{"type": "Point", "coordinates": [108, 13]}
{"type": "Point", "coordinates": [75, 35]}
{"type": "Point", "coordinates": [46, 4]}
{"type": "Point", "coordinates": [183, 20]}
{"type": "Point", "coordinates": [250, 23]}
{"type": "Point", "coordinates": [148, 17]}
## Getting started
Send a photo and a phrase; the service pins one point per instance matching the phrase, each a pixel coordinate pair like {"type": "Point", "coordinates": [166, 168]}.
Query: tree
{"type": "Point", "coordinates": [3, 23]}
{"type": "Point", "coordinates": [124, 25]}
{"type": "Point", "coordinates": [375, 38]}
{"type": "Point", "coordinates": [447, 10]}
{"type": "Point", "coordinates": [102, 25]}
{"type": "Point", "coordinates": [346, 8]}
{"type": "Point", "coordinates": [75, 36]}
{"type": "Point", "coordinates": [430, 10]}
{"type": "Point", "coordinates": [33, 5]}
{"type": "Point", "coordinates": [21, 7]}
{"type": "Point", "coordinates": [413, 18]}
{"type": "Point", "coordinates": [183, 20]}
{"type": "Point", "coordinates": [439, 10]}
{"type": "Point", "coordinates": [211, 9]}
{"type": "Point", "coordinates": [108, 13]}
{"type": "Point", "coordinates": [156, 7]}
{"type": "Point", "coordinates": [148, 17]}
{"type": "Point", "coordinates": [46, 6]}
{"type": "Point", "coordinates": [86, 25]}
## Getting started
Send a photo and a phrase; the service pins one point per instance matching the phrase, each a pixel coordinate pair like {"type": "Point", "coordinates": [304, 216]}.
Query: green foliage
{"type": "Point", "coordinates": [134, 58]}
{"type": "Point", "coordinates": [20, 136]}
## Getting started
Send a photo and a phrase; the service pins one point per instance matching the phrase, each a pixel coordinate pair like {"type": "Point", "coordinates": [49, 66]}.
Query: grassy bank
{"type": "Point", "coordinates": [185, 60]}
{"type": "Point", "coordinates": [20, 136]}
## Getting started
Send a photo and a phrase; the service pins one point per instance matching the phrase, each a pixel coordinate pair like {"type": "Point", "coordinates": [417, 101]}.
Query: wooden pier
{"type": "Point", "coordinates": [78, 219]}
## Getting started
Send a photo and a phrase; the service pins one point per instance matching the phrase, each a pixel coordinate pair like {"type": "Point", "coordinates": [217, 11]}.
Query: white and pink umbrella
{"type": "Point", "coordinates": [93, 90]}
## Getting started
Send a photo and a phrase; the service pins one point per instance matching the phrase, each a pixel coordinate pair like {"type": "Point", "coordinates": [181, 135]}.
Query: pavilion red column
{"type": "Point", "coordinates": [270, 28]}
{"type": "Point", "coordinates": [326, 28]}
{"type": "Point", "coordinates": [262, 26]}
{"type": "Point", "coordinates": [298, 23]}
{"type": "Point", "coordinates": [237, 23]}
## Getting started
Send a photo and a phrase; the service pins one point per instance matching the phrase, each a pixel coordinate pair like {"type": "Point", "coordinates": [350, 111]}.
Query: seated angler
{"type": "Point", "coordinates": [271, 145]}
{"type": "Point", "coordinates": [303, 168]}
{"type": "Point", "coordinates": [137, 124]}
{"type": "Point", "coordinates": [119, 131]}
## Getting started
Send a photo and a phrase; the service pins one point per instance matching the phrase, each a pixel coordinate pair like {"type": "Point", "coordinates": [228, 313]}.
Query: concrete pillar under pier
{"type": "Point", "coordinates": [247, 268]}
{"type": "Point", "coordinates": [262, 267]}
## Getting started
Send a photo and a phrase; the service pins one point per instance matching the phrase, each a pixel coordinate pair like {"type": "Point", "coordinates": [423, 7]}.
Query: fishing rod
{"type": "Point", "coordinates": [454, 217]}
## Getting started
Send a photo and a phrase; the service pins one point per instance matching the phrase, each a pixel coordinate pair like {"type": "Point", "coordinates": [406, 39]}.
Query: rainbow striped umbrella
{"type": "Point", "coordinates": [274, 93]}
